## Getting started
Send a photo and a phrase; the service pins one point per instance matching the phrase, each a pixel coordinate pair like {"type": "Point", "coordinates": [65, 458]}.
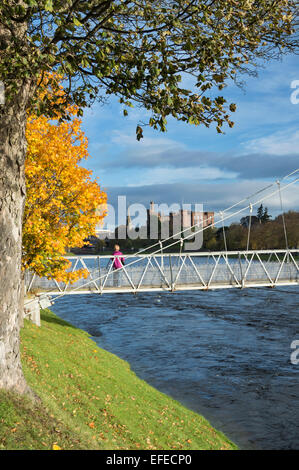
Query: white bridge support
{"type": "Point", "coordinates": [175, 272]}
{"type": "Point", "coordinates": [32, 310]}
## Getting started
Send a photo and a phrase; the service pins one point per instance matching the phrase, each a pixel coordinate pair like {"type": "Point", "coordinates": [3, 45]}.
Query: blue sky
{"type": "Point", "coordinates": [196, 165]}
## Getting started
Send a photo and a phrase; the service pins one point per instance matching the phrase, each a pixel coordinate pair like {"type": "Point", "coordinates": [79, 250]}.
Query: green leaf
{"type": "Point", "coordinates": [77, 22]}
{"type": "Point", "coordinates": [49, 5]}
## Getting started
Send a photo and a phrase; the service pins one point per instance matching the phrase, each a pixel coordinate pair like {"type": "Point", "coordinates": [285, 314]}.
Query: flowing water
{"type": "Point", "coordinates": [225, 354]}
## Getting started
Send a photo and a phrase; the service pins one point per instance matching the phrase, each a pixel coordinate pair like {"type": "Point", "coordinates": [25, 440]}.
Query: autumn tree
{"type": "Point", "coordinates": [63, 205]}
{"type": "Point", "coordinates": [210, 239]}
{"type": "Point", "coordinates": [137, 50]}
{"type": "Point", "coordinates": [272, 235]}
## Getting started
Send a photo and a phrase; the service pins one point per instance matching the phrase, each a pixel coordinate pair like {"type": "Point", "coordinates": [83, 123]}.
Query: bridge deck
{"type": "Point", "coordinates": [176, 272]}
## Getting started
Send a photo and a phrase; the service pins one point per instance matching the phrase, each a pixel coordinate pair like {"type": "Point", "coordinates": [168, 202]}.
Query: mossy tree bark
{"type": "Point", "coordinates": [12, 197]}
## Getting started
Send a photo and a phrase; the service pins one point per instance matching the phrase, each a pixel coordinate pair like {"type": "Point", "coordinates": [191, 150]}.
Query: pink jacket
{"type": "Point", "coordinates": [118, 262]}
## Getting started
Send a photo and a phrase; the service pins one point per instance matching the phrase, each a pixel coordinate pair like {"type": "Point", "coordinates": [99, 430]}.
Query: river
{"type": "Point", "coordinates": [223, 353]}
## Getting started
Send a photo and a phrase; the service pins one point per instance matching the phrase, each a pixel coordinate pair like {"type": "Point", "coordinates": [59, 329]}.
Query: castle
{"type": "Point", "coordinates": [184, 218]}
{"type": "Point", "coordinates": [158, 224]}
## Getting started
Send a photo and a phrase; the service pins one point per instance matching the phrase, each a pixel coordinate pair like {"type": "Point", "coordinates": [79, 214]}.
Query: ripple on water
{"type": "Point", "coordinates": [225, 354]}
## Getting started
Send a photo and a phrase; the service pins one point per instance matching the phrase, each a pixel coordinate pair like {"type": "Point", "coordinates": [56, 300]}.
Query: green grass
{"type": "Point", "coordinates": [90, 399]}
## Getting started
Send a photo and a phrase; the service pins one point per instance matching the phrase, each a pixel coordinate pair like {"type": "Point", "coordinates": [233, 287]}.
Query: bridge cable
{"type": "Point", "coordinates": [161, 249]}
{"type": "Point", "coordinates": [181, 247]}
{"type": "Point", "coordinates": [223, 230]}
{"type": "Point", "coordinates": [282, 215]}
{"type": "Point", "coordinates": [249, 226]}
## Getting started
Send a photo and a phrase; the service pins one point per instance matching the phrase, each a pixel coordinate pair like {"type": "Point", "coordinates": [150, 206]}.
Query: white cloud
{"type": "Point", "coordinates": [214, 196]}
{"type": "Point", "coordinates": [146, 145]}
{"type": "Point", "coordinates": [181, 175]}
{"type": "Point", "coordinates": [280, 143]}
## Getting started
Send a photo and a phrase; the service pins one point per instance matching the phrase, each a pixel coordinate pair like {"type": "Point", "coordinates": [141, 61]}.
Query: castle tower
{"type": "Point", "coordinates": [152, 208]}
{"type": "Point", "coordinates": [129, 220]}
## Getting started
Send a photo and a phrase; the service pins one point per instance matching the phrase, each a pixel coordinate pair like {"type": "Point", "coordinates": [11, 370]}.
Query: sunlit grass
{"type": "Point", "coordinates": [90, 399]}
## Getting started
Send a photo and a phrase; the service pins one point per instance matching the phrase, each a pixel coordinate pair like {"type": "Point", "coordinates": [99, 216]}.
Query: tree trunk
{"type": "Point", "coordinates": [12, 197]}
{"type": "Point", "coordinates": [22, 301]}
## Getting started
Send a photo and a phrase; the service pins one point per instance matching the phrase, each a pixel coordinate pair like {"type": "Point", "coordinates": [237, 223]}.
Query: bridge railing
{"type": "Point", "coordinates": [176, 271]}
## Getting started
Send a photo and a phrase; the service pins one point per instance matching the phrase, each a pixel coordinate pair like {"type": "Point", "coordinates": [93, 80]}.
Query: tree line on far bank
{"type": "Point", "coordinates": [264, 234]}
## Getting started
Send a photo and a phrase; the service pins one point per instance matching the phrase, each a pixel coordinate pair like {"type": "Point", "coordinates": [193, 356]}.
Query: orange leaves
{"type": "Point", "coordinates": [62, 206]}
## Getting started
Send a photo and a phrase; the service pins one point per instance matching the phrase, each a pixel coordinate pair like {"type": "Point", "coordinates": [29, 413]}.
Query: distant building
{"type": "Point", "coordinates": [185, 218]}
{"type": "Point", "coordinates": [157, 226]}
{"type": "Point", "coordinates": [204, 219]}
{"type": "Point", "coordinates": [104, 234]}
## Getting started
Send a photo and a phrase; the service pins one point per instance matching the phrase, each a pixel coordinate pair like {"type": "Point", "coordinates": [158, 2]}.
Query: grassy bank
{"type": "Point", "coordinates": [90, 399]}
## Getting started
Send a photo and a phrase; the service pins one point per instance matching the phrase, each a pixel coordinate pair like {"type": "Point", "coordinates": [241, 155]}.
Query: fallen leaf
{"type": "Point", "coordinates": [56, 447]}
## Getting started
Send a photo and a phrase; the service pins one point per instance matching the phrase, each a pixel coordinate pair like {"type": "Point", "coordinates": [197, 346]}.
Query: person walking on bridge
{"type": "Point", "coordinates": [118, 262]}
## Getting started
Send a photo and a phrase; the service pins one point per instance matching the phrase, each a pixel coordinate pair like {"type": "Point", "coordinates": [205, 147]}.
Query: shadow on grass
{"type": "Point", "coordinates": [49, 317]}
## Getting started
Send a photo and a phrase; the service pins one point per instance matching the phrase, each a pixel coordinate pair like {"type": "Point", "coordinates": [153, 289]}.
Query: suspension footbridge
{"type": "Point", "coordinates": [153, 269]}
{"type": "Point", "coordinates": [176, 272]}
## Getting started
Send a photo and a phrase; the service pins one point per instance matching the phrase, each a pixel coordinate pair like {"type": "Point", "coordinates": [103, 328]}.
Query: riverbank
{"type": "Point", "coordinates": [90, 399]}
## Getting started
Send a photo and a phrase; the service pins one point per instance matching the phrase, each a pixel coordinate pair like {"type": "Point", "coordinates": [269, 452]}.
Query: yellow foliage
{"type": "Point", "coordinates": [63, 201]}
{"type": "Point", "coordinates": [56, 447]}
